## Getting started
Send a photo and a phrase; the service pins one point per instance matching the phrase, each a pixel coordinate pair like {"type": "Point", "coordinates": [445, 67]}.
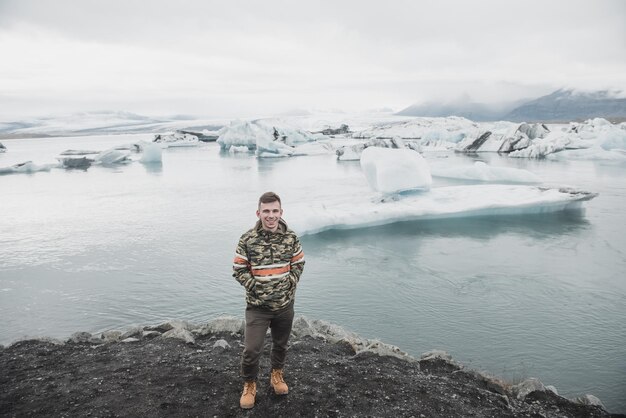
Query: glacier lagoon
{"type": "Point", "coordinates": [520, 296]}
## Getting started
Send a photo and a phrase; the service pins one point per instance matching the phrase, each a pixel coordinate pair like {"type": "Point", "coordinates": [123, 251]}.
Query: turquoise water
{"type": "Point", "coordinates": [526, 296]}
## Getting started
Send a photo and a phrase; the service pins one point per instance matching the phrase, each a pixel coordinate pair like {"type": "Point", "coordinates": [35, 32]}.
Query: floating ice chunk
{"type": "Point", "coordinates": [78, 152]}
{"type": "Point", "coordinates": [483, 172]}
{"type": "Point", "coordinates": [360, 211]}
{"type": "Point", "coordinates": [177, 139]}
{"type": "Point", "coordinates": [595, 134]}
{"type": "Point", "coordinates": [258, 134]}
{"type": "Point", "coordinates": [152, 153]}
{"type": "Point", "coordinates": [267, 146]}
{"type": "Point", "coordinates": [112, 156]}
{"type": "Point", "coordinates": [26, 167]}
{"type": "Point", "coordinates": [395, 170]}
{"type": "Point", "coordinates": [235, 149]}
{"type": "Point", "coordinates": [314, 148]}
{"type": "Point", "coordinates": [238, 133]}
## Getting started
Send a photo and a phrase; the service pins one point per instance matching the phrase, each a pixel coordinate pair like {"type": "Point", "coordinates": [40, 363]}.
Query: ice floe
{"type": "Point", "coordinates": [366, 210]}
{"type": "Point", "coordinates": [26, 167]}
{"type": "Point", "coordinates": [481, 171]}
{"type": "Point", "coordinates": [268, 140]}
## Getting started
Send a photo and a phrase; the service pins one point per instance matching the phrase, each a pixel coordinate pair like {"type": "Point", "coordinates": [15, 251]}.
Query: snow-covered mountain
{"type": "Point", "coordinates": [464, 107]}
{"type": "Point", "coordinates": [569, 105]}
{"type": "Point", "coordinates": [563, 105]}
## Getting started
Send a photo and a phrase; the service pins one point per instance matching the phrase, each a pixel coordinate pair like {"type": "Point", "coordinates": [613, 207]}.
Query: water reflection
{"type": "Point", "coordinates": [153, 168]}
{"type": "Point", "coordinates": [486, 227]}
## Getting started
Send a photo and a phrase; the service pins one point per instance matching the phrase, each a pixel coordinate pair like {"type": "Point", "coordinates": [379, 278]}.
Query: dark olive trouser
{"type": "Point", "coordinates": [258, 320]}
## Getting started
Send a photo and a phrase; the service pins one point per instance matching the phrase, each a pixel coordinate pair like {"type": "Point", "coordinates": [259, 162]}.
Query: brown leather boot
{"type": "Point", "coordinates": [249, 394]}
{"type": "Point", "coordinates": [278, 382]}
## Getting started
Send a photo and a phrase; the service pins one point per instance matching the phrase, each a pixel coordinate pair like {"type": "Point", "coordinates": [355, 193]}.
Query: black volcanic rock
{"type": "Point", "coordinates": [150, 375]}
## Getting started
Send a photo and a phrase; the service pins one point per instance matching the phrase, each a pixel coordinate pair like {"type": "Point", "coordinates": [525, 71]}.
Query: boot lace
{"type": "Point", "coordinates": [277, 376]}
{"type": "Point", "coordinates": [248, 387]}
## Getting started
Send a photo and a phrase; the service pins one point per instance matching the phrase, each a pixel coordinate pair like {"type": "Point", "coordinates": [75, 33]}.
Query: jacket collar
{"type": "Point", "coordinates": [282, 226]}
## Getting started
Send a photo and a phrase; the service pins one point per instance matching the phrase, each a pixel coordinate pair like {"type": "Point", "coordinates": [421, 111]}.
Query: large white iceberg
{"type": "Point", "coordinates": [429, 131]}
{"type": "Point", "coordinates": [395, 170]}
{"type": "Point", "coordinates": [599, 136]}
{"type": "Point", "coordinates": [359, 211]}
{"type": "Point", "coordinates": [266, 139]}
{"type": "Point", "coordinates": [603, 139]}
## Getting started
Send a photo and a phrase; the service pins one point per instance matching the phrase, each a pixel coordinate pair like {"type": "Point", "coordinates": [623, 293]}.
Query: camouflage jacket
{"type": "Point", "coordinates": [269, 264]}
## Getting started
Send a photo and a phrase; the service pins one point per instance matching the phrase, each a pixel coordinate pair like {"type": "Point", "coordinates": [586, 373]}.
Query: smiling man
{"type": "Point", "coordinates": [268, 264]}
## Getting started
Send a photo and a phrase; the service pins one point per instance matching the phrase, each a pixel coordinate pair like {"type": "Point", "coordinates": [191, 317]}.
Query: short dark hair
{"type": "Point", "coordinates": [269, 197]}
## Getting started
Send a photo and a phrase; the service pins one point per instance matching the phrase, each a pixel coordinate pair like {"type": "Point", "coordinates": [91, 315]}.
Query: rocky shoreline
{"type": "Point", "coordinates": [181, 369]}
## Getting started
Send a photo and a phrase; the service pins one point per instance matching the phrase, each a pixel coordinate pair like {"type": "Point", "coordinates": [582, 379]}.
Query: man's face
{"type": "Point", "coordinates": [269, 214]}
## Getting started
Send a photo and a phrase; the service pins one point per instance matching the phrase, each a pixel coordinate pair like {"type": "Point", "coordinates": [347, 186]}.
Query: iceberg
{"type": "Point", "coordinates": [481, 171]}
{"type": "Point", "coordinates": [269, 146]}
{"type": "Point", "coordinates": [429, 131]}
{"type": "Point", "coordinates": [363, 210]}
{"type": "Point", "coordinates": [112, 156]}
{"type": "Point", "coordinates": [395, 170]}
{"type": "Point", "coordinates": [503, 137]}
{"type": "Point", "coordinates": [595, 135]}
{"type": "Point", "coordinates": [177, 139]}
{"type": "Point", "coordinates": [152, 153]}
{"type": "Point", "coordinates": [239, 133]}
{"type": "Point", "coordinates": [538, 141]}
{"type": "Point", "coordinates": [266, 139]}
{"type": "Point", "coordinates": [26, 167]}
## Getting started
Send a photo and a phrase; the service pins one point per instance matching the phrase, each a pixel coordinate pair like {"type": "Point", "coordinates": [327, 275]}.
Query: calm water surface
{"type": "Point", "coordinates": [529, 296]}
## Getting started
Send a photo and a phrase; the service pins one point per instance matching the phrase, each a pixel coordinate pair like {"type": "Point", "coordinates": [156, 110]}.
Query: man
{"type": "Point", "coordinates": [268, 264]}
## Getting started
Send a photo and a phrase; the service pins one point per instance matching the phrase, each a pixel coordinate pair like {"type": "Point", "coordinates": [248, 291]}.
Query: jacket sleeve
{"type": "Point", "coordinates": [241, 266]}
{"type": "Point", "coordinates": [297, 261]}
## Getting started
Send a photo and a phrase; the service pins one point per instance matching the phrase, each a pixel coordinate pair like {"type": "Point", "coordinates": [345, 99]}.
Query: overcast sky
{"type": "Point", "coordinates": [252, 58]}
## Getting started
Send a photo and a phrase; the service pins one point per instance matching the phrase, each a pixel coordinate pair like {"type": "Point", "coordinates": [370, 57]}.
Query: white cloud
{"type": "Point", "coordinates": [245, 57]}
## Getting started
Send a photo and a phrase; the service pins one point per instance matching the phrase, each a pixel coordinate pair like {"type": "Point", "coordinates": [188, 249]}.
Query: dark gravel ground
{"type": "Point", "coordinates": [168, 377]}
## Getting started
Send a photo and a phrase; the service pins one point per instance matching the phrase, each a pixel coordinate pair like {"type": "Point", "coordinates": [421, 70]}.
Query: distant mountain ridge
{"type": "Point", "coordinates": [102, 122]}
{"type": "Point", "coordinates": [568, 105]}
{"type": "Point", "coordinates": [562, 105]}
